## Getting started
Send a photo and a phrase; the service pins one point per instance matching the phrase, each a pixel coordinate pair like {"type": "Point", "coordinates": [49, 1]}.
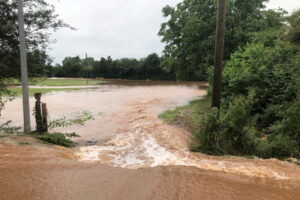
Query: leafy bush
{"type": "Point", "coordinates": [228, 132]}
{"type": "Point", "coordinates": [239, 135]}
{"type": "Point", "coordinates": [268, 68]}
{"type": "Point", "coordinates": [265, 122]}
{"type": "Point", "coordinates": [209, 137]}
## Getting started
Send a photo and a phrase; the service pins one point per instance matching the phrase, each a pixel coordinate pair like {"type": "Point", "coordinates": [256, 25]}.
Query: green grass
{"type": "Point", "coordinates": [64, 82]}
{"type": "Point", "coordinates": [12, 81]}
{"type": "Point", "coordinates": [189, 116]}
{"type": "Point", "coordinates": [170, 115]}
{"type": "Point", "coordinates": [56, 82]}
{"type": "Point", "coordinates": [57, 139]}
{"type": "Point", "coordinates": [24, 143]}
{"type": "Point", "coordinates": [18, 91]}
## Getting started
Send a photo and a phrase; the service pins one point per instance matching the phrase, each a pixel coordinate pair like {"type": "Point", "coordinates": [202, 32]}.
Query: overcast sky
{"type": "Point", "coordinates": [119, 28]}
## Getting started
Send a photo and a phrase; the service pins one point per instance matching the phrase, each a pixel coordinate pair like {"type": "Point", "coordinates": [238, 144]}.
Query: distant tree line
{"type": "Point", "coordinates": [125, 68]}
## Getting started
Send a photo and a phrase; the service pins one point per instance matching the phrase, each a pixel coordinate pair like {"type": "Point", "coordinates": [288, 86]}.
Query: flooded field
{"type": "Point", "coordinates": [133, 155]}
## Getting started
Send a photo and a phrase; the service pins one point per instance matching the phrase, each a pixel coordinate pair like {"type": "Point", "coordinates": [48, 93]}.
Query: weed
{"type": "Point", "coordinates": [57, 138]}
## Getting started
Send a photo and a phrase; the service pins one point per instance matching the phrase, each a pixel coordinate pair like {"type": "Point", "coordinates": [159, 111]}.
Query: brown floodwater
{"type": "Point", "coordinates": [126, 152]}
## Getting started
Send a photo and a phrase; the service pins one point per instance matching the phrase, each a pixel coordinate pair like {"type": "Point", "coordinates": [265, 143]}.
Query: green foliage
{"type": "Point", "coordinates": [79, 118]}
{"type": "Point", "coordinates": [3, 93]}
{"type": "Point", "coordinates": [189, 33]}
{"type": "Point", "coordinates": [58, 139]}
{"type": "Point", "coordinates": [261, 94]}
{"type": "Point", "coordinates": [228, 132]}
{"type": "Point", "coordinates": [18, 91]}
{"type": "Point", "coordinates": [24, 143]}
{"type": "Point", "coordinates": [238, 133]}
{"type": "Point", "coordinates": [294, 27]}
{"type": "Point", "coordinates": [126, 68]}
{"type": "Point", "coordinates": [267, 65]}
{"type": "Point", "coordinates": [7, 128]}
{"type": "Point", "coordinates": [188, 116]}
{"type": "Point", "coordinates": [39, 17]}
{"type": "Point", "coordinates": [290, 126]}
{"type": "Point", "coordinates": [169, 115]}
{"type": "Point", "coordinates": [208, 138]}
{"type": "Point", "coordinates": [64, 82]}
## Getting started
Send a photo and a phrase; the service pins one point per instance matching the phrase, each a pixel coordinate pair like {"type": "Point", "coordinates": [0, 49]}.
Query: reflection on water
{"type": "Point", "coordinates": [132, 137]}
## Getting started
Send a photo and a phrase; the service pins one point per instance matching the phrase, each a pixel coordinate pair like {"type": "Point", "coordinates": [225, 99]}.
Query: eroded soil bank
{"type": "Point", "coordinates": [137, 156]}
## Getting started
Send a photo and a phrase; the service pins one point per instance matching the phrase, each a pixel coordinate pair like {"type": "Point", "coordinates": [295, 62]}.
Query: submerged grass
{"type": "Point", "coordinates": [57, 139]}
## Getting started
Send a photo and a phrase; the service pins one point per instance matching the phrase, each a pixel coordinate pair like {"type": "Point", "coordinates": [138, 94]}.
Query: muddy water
{"type": "Point", "coordinates": [137, 156]}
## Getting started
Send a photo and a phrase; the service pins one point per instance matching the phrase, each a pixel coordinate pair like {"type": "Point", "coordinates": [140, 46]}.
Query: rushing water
{"type": "Point", "coordinates": [135, 155]}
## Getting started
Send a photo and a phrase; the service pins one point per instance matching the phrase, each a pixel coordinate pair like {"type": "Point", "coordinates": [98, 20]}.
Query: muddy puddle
{"type": "Point", "coordinates": [131, 154]}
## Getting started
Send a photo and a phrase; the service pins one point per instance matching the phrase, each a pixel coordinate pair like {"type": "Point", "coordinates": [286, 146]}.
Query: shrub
{"type": "Point", "coordinates": [283, 146]}
{"type": "Point", "coordinates": [228, 132]}
{"type": "Point", "coordinates": [207, 139]}
{"type": "Point", "coordinates": [239, 135]}
{"type": "Point", "coordinates": [267, 67]}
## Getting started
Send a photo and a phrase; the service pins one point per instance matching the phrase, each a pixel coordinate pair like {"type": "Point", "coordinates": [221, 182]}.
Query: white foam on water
{"type": "Point", "coordinates": [129, 151]}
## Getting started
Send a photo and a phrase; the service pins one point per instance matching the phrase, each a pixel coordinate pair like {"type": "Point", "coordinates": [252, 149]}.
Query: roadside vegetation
{"type": "Point", "coordinates": [260, 110]}
{"type": "Point", "coordinates": [62, 139]}
{"type": "Point", "coordinates": [57, 139]}
{"type": "Point", "coordinates": [189, 116]}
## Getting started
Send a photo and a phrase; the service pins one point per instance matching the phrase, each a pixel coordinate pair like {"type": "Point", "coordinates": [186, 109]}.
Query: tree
{"type": "Point", "coordinates": [189, 33]}
{"type": "Point", "coordinates": [151, 67]}
{"type": "Point", "coordinates": [39, 18]}
{"type": "Point", "coordinates": [294, 27]}
{"type": "Point", "coordinates": [74, 67]}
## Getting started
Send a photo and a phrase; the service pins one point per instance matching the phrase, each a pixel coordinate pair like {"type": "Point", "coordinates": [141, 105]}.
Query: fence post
{"type": "Point", "coordinates": [45, 115]}
{"type": "Point", "coordinates": [38, 112]}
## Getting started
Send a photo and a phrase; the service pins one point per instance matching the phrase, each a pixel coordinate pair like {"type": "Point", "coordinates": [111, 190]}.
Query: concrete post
{"type": "Point", "coordinates": [23, 59]}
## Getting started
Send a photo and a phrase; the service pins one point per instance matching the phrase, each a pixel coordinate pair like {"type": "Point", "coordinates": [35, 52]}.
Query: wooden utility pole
{"type": "Point", "coordinates": [219, 54]}
{"type": "Point", "coordinates": [23, 59]}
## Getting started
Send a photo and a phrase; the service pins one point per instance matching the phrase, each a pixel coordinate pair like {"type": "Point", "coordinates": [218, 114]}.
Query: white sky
{"type": "Point", "coordinates": [119, 28]}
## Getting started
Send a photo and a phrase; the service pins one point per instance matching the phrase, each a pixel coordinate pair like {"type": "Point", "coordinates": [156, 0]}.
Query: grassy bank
{"type": "Point", "coordinates": [55, 82]}
{"type": "Point", "coordinates": [48, 82]}
{"type": "Point", "coordinates": [18, 91]}
{"type": "Point", "coordinates": [65, 82]}
{"type": "Point", "coordinates": [189, 116]}
{"type": "Point", "coordinates": [59, 139]}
